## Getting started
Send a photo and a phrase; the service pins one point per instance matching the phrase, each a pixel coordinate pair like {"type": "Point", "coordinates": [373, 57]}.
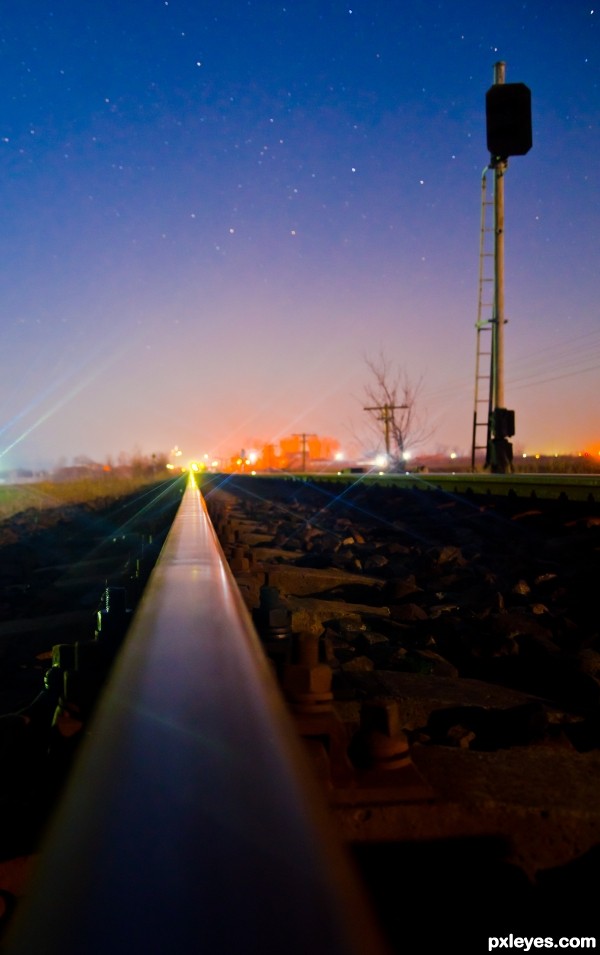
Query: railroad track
{"type": "Point", "coordinates": [190, 818]}
{"type": "Point", "coordinates": [421, 772]}
{"type": "Point", "coordinates": [460, 626]}
{"type": "Point", "coordinates": [572, 487]}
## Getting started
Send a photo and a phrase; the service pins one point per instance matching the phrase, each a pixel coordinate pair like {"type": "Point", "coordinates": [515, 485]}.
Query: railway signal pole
{"type": "Point", "coordinates": [508, 128]}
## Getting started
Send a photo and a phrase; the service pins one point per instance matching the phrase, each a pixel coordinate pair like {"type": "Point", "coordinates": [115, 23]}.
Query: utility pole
{"type": "Point", "coordinates": [508, 119]}
{"type": "Point", "coordinates": [387, 416]}
{"type": "Point", "coordinates": [304, 436]}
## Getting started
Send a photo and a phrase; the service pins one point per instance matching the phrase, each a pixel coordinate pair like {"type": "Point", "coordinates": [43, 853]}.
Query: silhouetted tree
{"type": "Point", "coordinates": [391, 400]}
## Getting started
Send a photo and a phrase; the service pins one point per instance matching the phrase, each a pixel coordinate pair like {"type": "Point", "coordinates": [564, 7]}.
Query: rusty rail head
{"type": "Point", "coordinates": [191, 821]}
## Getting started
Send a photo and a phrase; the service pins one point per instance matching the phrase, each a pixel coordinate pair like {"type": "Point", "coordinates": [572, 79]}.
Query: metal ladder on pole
{"type": "Point", "coordinates": [485, 322]}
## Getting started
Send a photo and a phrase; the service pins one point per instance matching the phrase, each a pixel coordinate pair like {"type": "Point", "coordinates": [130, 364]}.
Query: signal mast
{"type": "Point", "coordinates": [508, 131]}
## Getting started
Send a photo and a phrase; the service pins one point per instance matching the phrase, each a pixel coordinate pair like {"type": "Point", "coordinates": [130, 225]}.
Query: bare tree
{"type": "Point", "coordinates": [391, 400]}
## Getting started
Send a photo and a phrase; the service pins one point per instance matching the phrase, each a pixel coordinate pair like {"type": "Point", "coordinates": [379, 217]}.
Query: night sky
{"type": "Point", "coordinates": [213, 214]}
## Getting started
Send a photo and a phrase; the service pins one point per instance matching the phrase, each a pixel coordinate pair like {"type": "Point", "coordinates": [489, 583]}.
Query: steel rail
{"type": "Point", "coordinates": [191, 820]}
{"type": "Point", "coordinates": [574, 487]}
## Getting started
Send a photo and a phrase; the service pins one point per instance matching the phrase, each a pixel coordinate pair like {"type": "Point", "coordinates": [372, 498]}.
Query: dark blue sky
{"type": "Point", "coordinates": [214, 212]}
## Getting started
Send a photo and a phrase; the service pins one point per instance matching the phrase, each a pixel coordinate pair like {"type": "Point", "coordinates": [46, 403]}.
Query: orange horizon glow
{"type": "Point", "coordinates": [593, 449]}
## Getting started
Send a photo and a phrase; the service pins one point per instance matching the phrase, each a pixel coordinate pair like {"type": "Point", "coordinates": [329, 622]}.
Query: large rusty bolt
{"type": "Point", "coordinates": [272, 617]}
{"type": "Point", "coordinates": [227, 536]}
{"type": "Point", "coordinates": [63, 656]}
{"type": "Point", "coordinates": [383, 744]}
{"type": "Point", "coordinates": [273, 622]}
{"type": "Point", "coordinates": [307, 683]}
{"type": "Point", "coordinates": [241, 560]}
